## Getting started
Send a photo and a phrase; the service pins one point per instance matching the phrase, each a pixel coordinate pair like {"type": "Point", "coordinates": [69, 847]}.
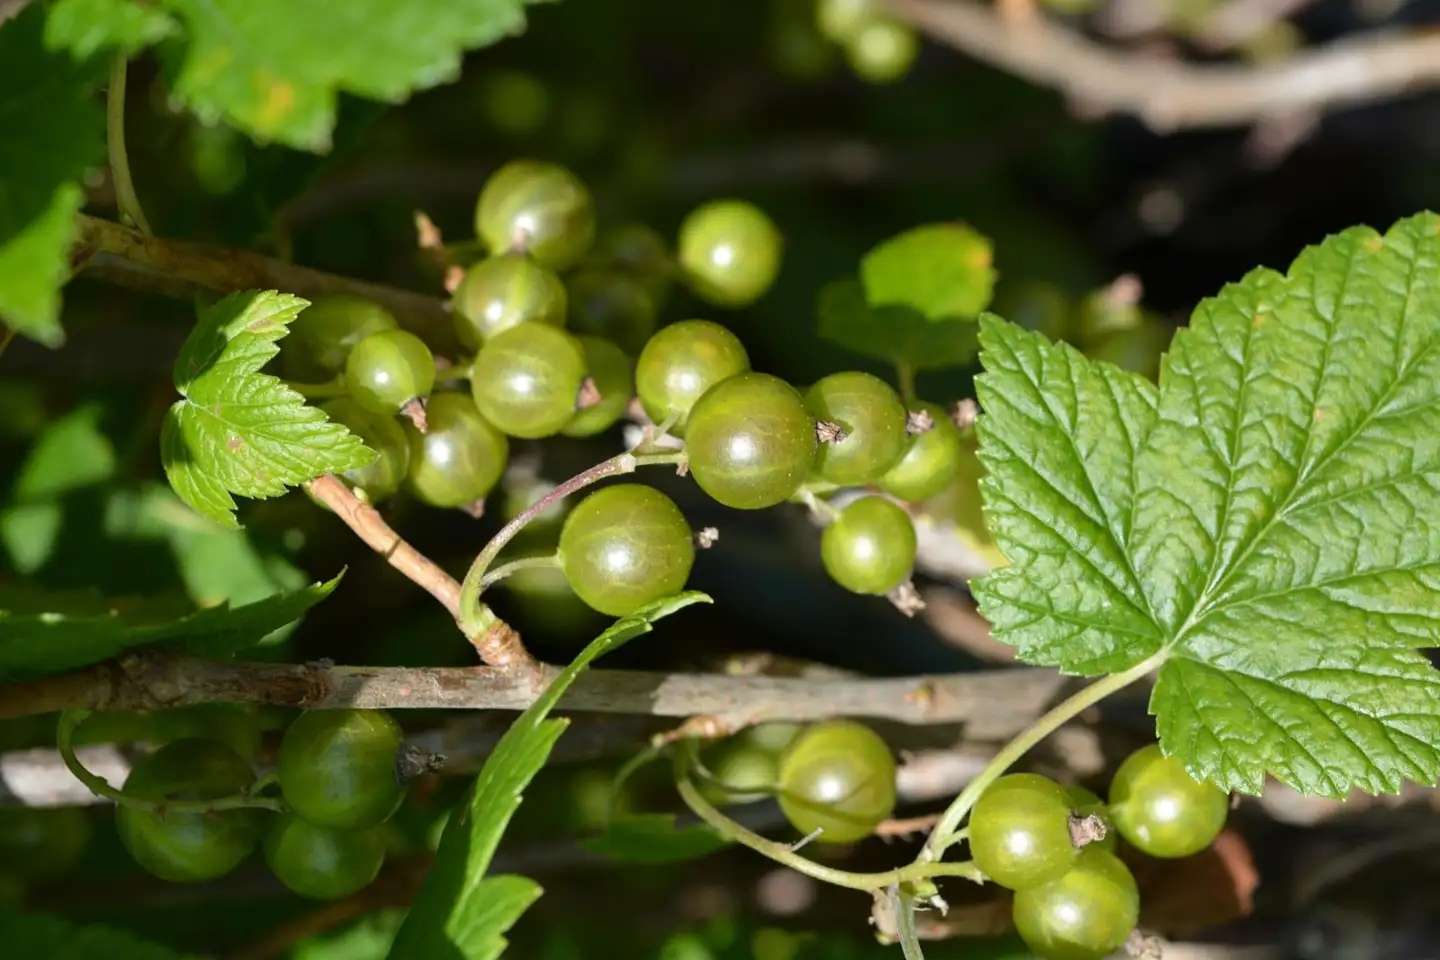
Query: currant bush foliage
{"type": "Point", "coordinates": [49, 938]}
{"type": "Point", "coordinates": [461, 908]}
{"type": "Point", "coordinates": [1265, 524]}
{"type": "Point", "coordinates": [240, 431]}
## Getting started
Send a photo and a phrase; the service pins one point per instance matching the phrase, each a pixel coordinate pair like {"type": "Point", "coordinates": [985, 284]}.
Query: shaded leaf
{"type": "Point", "coordinates": [654, 838]}
{"type": "Point", "coordinates": [898, 334]}
{"type": "Point", "coordinates": [943, 271]}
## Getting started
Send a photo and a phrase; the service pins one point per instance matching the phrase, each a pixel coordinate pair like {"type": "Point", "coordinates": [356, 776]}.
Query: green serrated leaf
{"type": "Point", "coordinates": [461, 912]}
{"type": "Point", "coordinates": [239, 431]}
{"type": "Point", "coordinates": [85, 27]}
{"type": "Point", "coordinates": [654, 838]}
{"type": "Point", "coordinates": [52, 635]}
{"type": "Point", "coordinates": [943, 271]}
{"type": "Point", "coordinates": [37, 937]}
{"type": "Point", "coordinates": [54, 136]}
{"type": "Point", "coordinates": [72, 452]}
{"type": "Point", "coordinates": [269, 67]}
{"type": "Point", "coordinates": [898, 334]}
{"type": "Point", "coordinates": [1267, 523]}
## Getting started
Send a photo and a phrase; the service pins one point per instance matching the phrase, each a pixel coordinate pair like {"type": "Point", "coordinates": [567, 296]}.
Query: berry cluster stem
{"type": "Point", "coordinates": [70, 721]}
{"type": "Point", "coordinates": [550, 560]}
{"type": "Point", "coordinates": [947, 832]}
{"type": "Point", "coordinates": [125, 196]}
{"type": "Point", "coordinates": [474, 618]}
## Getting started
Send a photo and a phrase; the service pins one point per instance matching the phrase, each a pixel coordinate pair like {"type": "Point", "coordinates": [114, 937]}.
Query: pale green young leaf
{"type": "Point", "coordinates": [942, 270]}
{"type": "Point", "coordinates": [54, 132]}
{"type": "Point", "coordinates": [85, 27]}
{"type": "Point", "coordinates": [1267, 524]}
{"type": "Point", "coordinates": [240, 431]}
{"type": "Point", "coordinates": [37, 937]}
{"type": "Point", "coordinates": [42, 635]}
{"type": "Point", "coordinates": [463, 914]}
{"type": "Point", "coordinates": [275, 68]}
{"type": "Point", "coordinates": [898, 334]}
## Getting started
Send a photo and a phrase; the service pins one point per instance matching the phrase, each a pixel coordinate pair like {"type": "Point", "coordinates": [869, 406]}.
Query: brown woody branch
{"type": "Point", "coordinates": [125, 257]}
{"type": "Point", "coordinates": [1168, 95]}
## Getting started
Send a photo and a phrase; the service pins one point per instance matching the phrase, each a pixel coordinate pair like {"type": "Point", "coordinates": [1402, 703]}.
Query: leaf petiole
{"type": "Point", "coordinates": [125, 197]}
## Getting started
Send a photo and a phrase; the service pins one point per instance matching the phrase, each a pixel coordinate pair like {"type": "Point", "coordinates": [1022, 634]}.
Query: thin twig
{"type": "Point", "coordinates": [1169, 95]}
{"type": "Point", "coordinates": [172, 267]}
{"type": "Point", "coordinates": [369, 526]}
{"type": "Point", "coordinates": [125, 196]}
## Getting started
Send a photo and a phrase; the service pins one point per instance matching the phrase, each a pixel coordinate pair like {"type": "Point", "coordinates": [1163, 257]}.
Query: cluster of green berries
{"type": "Point", "coordinates": [565, 356]}
{"type": "Point", "coordinates": [878, 47]}
{"type": "Point", "coordinates": [340, 779]}
{"type": "Point", "coordinates": [1074, 898]}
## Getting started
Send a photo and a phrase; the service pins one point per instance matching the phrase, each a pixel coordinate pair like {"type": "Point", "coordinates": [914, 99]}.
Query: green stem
{"type": "Point", "coordinates": [822, 509]}
{"type": "Point", "coordinates": [474, 617]}
{"type": "Point", "coordinates": [70, 720]}
{"type": "Point", "coordinates": [7, 334]}
{"type": "Point", "coordinates": [782, 854]}
{"type": "Point", "coordinates": [125, 197]}
{"type": "Point", "coordinates": [550, 560]}
{"type": "Point", "coordinates": [946, 833]}
{"type": "Point", "coordinates": [319, 391]}
{"type": "Point", "coordinates": [905, 374]}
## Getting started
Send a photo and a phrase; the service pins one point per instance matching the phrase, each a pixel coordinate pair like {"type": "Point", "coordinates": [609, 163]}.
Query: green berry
{"type": "Point", "coordinates": [1020, 831]}
{"type": "Point", "coordinates": [729, 252]}
{"type": "Point", "coordinates": [461, 456]}
{"type": "Point", "coordinates": [337, 767]}
{"type": "Point", "coordinates": [930, 461]}
{"type": "Point", "coordinates": [526, 380]}
{"type": "Point", "coordinates": [610, 370]}
{"type": "Point", "coordinates": [322, 862]}
{"type": "Point", "coordinates": [1163, 811]}
{"type": "Point", "coordinates": [387, 370]}
{"type": "Point", "coordinates": [613, 305]}
{"type": "Point", "coordinates": [503, 292]}
{"type": "Point", "coordinates": [324, 333]}
{"type": "Point", "coordinates": [625, 546]}
{"type": "Point", "coordinates": [750, 441]}
{"type": "Point", "coordinates": [1100, 313]}
{"type": "Point", "coordinates": [380, 433]}
{"type": "Point", "coordinates": [837, 776]}
{"type": "Point", "coordinates": [539, 208]}
{"type": "Point", "coordinates": [680, 363]}
{"type": "Point", "coordinates": [842, 20]}
{"type": "Point", "coordinates": [739, 773]}
{"type": "Point", "coordinates": [883, 51]}
{"type": "Point", "coordinates": [189, 847]}
{"type": "Point", "coordinates": [1086, 914]}
{"type": "Point", "coordinates": [42, 843]}
{"type": "Point", "coordinates": [873, 418]}
{"type": "Point", "coordinates": [870, 547]}
{"type": "Point", "coordinates": [1035, 305]}
{"type": "Point", "coordinates": [641, 252]}
{"type": "Point", "coordinates": [1138, 350]}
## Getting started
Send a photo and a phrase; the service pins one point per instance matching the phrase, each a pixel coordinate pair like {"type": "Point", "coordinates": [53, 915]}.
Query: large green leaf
{"type": "Point", "coordinates": [240, 431]}
{"type": "Point", "coordinates": [51, 938]}
{"type": "Point", "coordinates": [463, 914]}
{"type": "Point", "coordinates": [1266, 524]}
{"type": "Point", "coordinates": [943, 271]}
{"type": "Point", "coordinates": [54, 132]}
{"type": "Point", "coordinates": [42, 634]}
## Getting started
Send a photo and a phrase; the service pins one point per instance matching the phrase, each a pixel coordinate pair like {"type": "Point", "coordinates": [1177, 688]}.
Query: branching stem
{"type": "Point", "coordinates": [125, 195]}
{"type": "Point", "coordinates": [550, 560]}
{"type": "Point", "coordinates": [947, 831]}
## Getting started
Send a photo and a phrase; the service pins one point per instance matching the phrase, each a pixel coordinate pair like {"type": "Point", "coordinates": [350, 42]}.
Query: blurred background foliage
{"type": "Point", "coordinates": [658, 106]}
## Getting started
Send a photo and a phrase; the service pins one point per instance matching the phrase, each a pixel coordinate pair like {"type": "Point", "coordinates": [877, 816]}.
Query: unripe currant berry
{"type": "Point", "coordinates": [680, 363]}
{"type": "Point", "coordinates": [625, 546]}
{"type": "Point", "coordinates": [643, 253]}
{"type": "Point", "coordinates": [380, 433]}
{"type": "Point", "coordinates": [526, 380]}
{"type": "Point", "coordinates": [503, 292]}
{"type": "Point", "coordinates": [610, 371]}
{"type": "Point", "coordinates": [337, 768]}
{"type": "Point", "coordinates": [611, 304]}
{"type": "Point", "coordinates": [837, 776]}
{"type": "Point", "coordinates": [930, 461]}
{"type": "Point", "coordinates": [751, 441]}
{"type": "Point", "coordinates": [539, 208]}
{"type": "Point", "coordinates": [323, 334]}
{"type": "Point", "coordinates": [730, 252]}
{"type": "Point", "coordinates": [188, 847]}
{"type": "Point", "coordinates": [1035, 305]}
{"type": "Point", "coordinates": [873, 419]}
{"type": "Point", "coordinates": [883, 50]}
{"type": "Point", "coordinates": [460, 457]}
{"type": "Point", "coordinates": [870, 547]}
{"type": "Point", "coordinates": [389, 369]}
{"type": "Point", "coordinates": [322, 862]}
